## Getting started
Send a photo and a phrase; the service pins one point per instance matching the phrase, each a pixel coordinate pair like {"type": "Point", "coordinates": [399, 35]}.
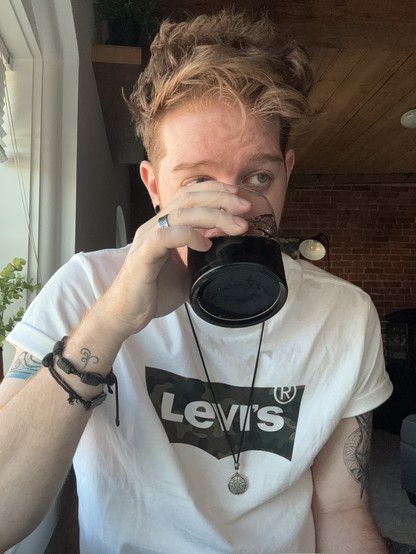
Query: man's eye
{"type": "Point", "coordinates": [199, 179]}
{"type": "Point", "coordinates": [261, 178]}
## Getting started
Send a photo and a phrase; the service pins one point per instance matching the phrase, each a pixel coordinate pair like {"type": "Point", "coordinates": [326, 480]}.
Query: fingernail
{"type": "Point", "coordinates": [230, 188]}
{"type": "Point", "coordinates": [208, 243]}
{"type": "Point", "coordinates": [240, 221]}
{"type": "Point", "coordinates": [243, 201]}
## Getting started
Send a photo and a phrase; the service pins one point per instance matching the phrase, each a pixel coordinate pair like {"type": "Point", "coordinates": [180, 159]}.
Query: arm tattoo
{"type": "Point", "coordinates": [87, 357]}
{"type": "Point", "coordinates": [357, 451]}
{"type": "Point", "coordinates": [24, 366]}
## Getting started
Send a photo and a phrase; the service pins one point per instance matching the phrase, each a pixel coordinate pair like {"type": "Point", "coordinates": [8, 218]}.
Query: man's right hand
{"type": "Point", "coordinates": [153, 280]}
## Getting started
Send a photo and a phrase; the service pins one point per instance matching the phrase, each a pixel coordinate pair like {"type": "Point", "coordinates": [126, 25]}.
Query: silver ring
{"type": "Point", "coordinates": [163, 221]}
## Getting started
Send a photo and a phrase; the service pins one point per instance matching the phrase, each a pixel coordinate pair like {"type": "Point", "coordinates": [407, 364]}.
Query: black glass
{"type": "Point", "coordinates": [240, 281]}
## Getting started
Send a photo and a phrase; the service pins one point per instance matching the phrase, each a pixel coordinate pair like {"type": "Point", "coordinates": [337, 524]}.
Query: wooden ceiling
{"type": "Point", "coordinates": [364, 54]}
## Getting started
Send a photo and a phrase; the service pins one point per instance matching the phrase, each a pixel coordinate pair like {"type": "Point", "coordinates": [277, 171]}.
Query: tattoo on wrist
{"type": "Point", "coordinates": [357, 452]}
{"type": "Point", "coordinates": [87, 358]}
{"type": "Point", "coordinates": [24, 366]}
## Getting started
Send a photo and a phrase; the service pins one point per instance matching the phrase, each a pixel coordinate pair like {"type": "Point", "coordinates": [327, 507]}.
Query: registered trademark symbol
{"type": "Point", "coordinates": [284, 395]}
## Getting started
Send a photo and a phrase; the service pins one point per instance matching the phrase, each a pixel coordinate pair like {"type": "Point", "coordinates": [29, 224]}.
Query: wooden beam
{"type": "Point", "coordinates": [297, 181]}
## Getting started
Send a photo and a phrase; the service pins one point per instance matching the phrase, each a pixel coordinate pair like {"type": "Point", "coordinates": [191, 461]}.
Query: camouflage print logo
{"type": "Point", "coordinates": [189, 415]}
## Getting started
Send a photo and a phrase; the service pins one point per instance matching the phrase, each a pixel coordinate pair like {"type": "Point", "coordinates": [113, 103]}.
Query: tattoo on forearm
{"type": "Point", "coordinates": [357, 451]}
{"type": "Point", "coordinates": [87, 357]}
{"type": "Point", "coordinates": [24, 366]}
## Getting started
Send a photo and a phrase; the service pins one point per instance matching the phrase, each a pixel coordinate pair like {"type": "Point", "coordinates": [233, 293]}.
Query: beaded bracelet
{"type": "Point", "coordinates": [86, 377]}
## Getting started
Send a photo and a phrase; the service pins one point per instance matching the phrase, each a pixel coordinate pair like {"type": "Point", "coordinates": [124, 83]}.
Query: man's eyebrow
{"type": "Point", "coordinates": [261, 158]}
{"type": "Point", "coordinates": [194, 165]}
{"type": "Point", "coordinates": [267, 158]}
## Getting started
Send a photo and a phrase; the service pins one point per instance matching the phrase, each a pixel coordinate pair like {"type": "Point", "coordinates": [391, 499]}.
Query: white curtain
{"type": "Point", "coordinates": [3, 156]}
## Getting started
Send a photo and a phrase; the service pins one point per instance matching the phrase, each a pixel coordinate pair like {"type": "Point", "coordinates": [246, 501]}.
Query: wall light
{"type": "Point", "coordinates": [408, 119]}
{"type": "Point", "coordinates": [315, 248]}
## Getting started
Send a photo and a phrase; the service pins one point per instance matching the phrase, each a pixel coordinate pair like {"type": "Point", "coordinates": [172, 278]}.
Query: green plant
{"type": "Point", "coordinates": [12, 286]}
{"type": "Point", "coordinates": [138, 13]}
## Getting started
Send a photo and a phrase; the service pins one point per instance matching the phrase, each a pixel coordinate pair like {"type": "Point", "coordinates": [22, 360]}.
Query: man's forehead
{"type": "Point", "coordinates": [218, 130]}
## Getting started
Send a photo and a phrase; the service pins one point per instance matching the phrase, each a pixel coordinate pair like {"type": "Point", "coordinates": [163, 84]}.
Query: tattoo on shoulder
{"type": "Point", "coordinates": [24, 366]}
{"type": "Point", "coordinates": [357, 451]}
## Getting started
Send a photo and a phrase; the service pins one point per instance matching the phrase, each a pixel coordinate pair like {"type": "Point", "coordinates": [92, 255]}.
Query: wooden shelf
{"type": "Point", "coordinates": [107, 53]}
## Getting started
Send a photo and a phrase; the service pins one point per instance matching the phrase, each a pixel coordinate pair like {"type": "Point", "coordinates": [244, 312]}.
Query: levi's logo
{"type": "Point", "coordinates": [189, 414]}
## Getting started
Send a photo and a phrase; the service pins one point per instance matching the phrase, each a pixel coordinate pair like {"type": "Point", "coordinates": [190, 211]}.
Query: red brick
{"type": "Point", "coordinates": [372, 232]}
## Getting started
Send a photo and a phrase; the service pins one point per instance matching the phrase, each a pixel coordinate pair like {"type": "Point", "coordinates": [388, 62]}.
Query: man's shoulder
{"type": "Point", "coordinates": [310, 274]}
{"type": "Point", "coordinates": [306, 280]}
{"type": "Point", "coordinates": [109, 259]}
{"type": "Point", "coordinates": [110, 255]}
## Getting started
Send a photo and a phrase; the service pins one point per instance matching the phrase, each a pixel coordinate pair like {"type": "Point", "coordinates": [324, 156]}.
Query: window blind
{"type": "Point", "coordinates": [4, 59]}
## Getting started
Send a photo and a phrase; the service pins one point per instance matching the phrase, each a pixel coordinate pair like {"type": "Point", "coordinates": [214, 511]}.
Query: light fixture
{"type": "Point", "coordinates": [315, 248]}
{"type": "Point", "coordinates": [408, 119]}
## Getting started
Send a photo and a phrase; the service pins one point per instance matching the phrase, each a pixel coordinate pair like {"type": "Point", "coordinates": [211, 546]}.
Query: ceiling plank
{"type": "Point", "coordinates": [352, 93]}
{"type": "Point", "coordinates": [358, 132]}
{"type": "Point", "coordinates": [384, 139]}
{"type": "Point", "coordinates": [408, 158]}
{"type": "Point", "coordinates": [336, 23]}
{"type": "Point", "coordinates": [327, 84]}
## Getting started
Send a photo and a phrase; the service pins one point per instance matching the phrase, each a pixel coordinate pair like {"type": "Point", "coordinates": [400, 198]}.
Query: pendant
{"type": "Point", "coordinates": [237, 484]}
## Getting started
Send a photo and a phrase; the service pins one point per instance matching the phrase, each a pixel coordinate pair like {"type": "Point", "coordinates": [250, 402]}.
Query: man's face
{"type": "Point", "coordinates": [215, 143]}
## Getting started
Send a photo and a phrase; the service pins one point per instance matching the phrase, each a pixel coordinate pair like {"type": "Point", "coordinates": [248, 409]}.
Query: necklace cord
{"type": "Point", "coordinates": [235, 458]}
{"type": "Point", "coordinates": [251, 392]}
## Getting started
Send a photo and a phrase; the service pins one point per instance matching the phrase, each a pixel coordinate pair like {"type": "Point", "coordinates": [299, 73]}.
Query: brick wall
{"type": "Point", "coordinates": [372, 236]}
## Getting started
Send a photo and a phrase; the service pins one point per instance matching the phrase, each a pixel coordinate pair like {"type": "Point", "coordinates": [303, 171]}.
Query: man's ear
{"type": "Point", "coordinates": [148, 177]}
{"type": "Point", "coordinates": [290, 163]}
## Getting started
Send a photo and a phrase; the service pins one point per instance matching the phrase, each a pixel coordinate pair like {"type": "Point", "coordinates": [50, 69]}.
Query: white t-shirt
{"type": "Point", "coordinates": [158, 483]}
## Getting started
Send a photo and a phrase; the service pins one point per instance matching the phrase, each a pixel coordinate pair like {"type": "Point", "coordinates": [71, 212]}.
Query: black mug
{"type": "Point", "coordinates": [240, 281]}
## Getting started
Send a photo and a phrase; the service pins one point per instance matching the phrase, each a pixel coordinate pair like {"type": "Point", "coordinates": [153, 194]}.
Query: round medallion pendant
{"type": "Point", "coordinates": [237, 484]}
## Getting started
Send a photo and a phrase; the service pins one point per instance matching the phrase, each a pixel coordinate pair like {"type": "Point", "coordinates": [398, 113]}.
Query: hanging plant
{"type": "Point", "coordinates": [12, 286]}
{"type": "Point", "coordinates": [130, 22]}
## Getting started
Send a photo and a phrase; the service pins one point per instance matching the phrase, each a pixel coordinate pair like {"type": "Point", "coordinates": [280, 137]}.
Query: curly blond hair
{"type": "Point", "coordinates": [229, 57]}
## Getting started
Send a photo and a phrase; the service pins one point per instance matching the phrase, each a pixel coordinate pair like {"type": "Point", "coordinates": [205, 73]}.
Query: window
{"type": "Point", "coordinates": [37, 179]}
{"type": "Point", "coordinates": [4, 59]}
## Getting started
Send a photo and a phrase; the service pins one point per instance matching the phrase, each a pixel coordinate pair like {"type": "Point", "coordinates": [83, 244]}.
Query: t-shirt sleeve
{"type": "Point", "coordinates": [56, 310]}
{"type": "Point", "coordinates": [374, 386]}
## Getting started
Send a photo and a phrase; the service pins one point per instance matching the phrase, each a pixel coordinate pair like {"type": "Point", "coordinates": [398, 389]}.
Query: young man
{"type": "Point", "coordinates": [231, 440]}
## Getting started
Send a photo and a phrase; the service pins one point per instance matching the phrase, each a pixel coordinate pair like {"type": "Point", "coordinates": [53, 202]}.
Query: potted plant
{"type": "Point", "coordinates": [12, 286]}
{"type": "Point", "coordinates": [130, 22]}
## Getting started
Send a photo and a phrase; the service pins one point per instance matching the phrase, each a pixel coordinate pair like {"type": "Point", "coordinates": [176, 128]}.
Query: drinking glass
{"type": "Point", "coordinates": [240, 281]}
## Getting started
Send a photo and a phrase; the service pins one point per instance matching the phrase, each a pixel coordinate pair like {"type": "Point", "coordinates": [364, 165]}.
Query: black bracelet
{"type": "Point", "coordinates": [95, 379]}
{"type": "Point", "coordinates": [87, 377]}
{"type": "Point", "coordinates": [73, 396]}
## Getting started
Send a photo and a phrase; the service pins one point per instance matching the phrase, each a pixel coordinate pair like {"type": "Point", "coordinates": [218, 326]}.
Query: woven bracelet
{"type": "Point", "coordinates": [88, 378]}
